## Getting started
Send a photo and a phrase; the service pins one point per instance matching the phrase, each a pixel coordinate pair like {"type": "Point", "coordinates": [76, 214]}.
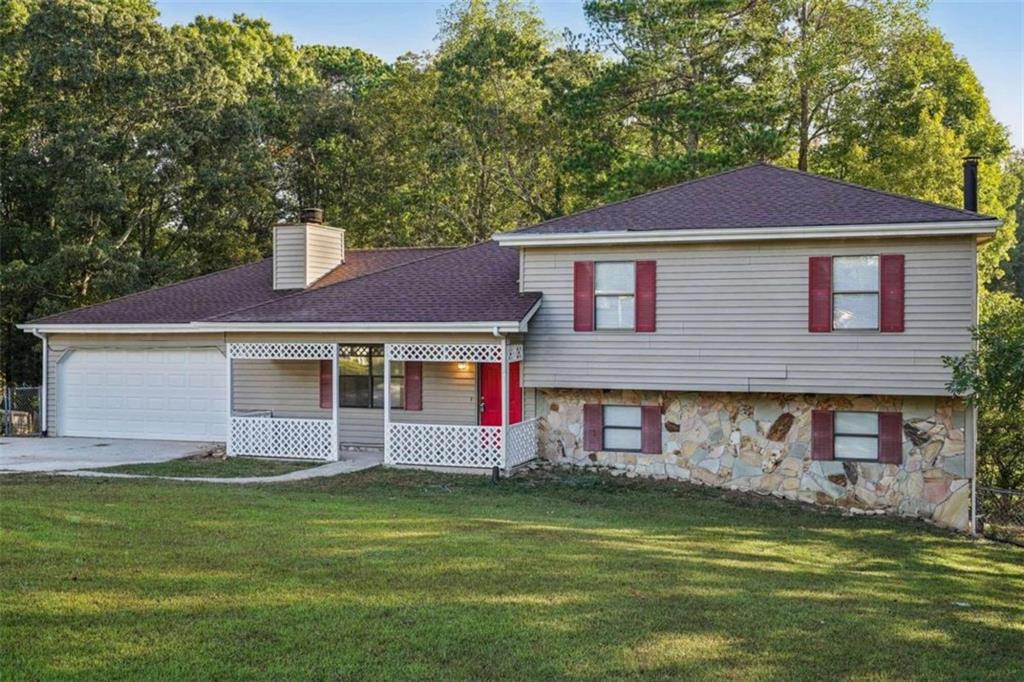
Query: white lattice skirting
{"type": "Point", "coordinates": [281, 351]}
{"type": "Point", "coordinates": [522, 442]}
{"type": "Point", "coordinates": [452, 352]}
{"type": "Point", "coordinates": [276, 437]}
{"type": "Point", "coordinates": [445, 445]}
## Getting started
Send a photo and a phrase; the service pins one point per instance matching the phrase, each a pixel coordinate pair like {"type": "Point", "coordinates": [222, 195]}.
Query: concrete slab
{"type": "Point", "coordinates": [68, 454]}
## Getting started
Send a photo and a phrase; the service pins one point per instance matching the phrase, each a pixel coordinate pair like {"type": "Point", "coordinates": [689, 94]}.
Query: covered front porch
{"type": "Point", "coordinates": [440, 406]}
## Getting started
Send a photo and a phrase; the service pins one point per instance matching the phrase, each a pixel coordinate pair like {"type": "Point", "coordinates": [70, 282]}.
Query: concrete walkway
{"type": "Point", "coordinates": [353, 462]}
{"type": "Point", "coordinates": [66, 454]}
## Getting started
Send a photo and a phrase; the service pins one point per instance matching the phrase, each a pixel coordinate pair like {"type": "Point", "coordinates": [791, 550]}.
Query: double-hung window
{"type": "Point", "coordinates": [615, 295]}
{"type": "Point", "coordinates": [855, 286]}
{"type": "Point", "coordinates": [362, 377]}
{"type": "Point", "coordinates": [856, 435]}
{"type": "Point", "coordinates": [622, 428]}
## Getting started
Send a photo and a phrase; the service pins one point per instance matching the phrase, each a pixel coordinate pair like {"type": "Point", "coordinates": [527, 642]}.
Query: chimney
{"type": "Point", "coordinates": [306, 251]}
{"type": "Point", "coordinates": [971, 183]}
{"type": "Point", "coordinates": [312, 216]}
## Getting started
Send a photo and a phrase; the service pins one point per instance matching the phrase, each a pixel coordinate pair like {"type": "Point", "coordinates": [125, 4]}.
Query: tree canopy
{"type": "Point", "coordinates": [133, 155]}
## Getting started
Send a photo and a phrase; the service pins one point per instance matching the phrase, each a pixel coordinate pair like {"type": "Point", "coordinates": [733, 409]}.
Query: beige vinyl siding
{"type": "Point", "coordinates": [733, 317]}
{"type": "Point", "coordinates": [325, 249]}
{"type": "Point", "coordinates": [60, 344]}
{"type": "Point", "coordinates": [291, 388]}
{"type": "Point", "coordinates": [290, 257]}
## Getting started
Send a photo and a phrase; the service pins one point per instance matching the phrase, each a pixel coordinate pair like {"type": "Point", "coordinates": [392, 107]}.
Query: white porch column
{"type": "Point", "coordinates": [504, 402]}
{"type": "Point", "coordinates": [335, 401]}
{"type": "Point", "coordinates": [387, 403]}
{"type": "Point", "coordinates": [227, 436]}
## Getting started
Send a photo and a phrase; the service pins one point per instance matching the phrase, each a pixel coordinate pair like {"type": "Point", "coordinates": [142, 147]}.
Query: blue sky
{"type": "Point", "coordinates": [990, 33]}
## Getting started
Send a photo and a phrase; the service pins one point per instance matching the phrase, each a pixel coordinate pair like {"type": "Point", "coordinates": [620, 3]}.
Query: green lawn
{"type": "Point", "coordinates": [215, 467]}
{"type": "Point", "coordinates": [405, 575]}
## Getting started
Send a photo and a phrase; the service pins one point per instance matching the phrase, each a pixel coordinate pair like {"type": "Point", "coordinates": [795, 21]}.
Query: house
{"type": "Point", "coordinates": [762, 329]}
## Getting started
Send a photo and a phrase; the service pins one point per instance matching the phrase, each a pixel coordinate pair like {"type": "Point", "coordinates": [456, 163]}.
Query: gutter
{"type": "Point", "coordinates": [44, 389]}
{"type": "Point", "coordinates": [965, 227]}
{"type": "Point", "coordinates": [507, 326]}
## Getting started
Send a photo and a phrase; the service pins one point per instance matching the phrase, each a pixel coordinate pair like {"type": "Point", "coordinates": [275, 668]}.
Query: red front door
{"type": "Point", "coordinates": [490, 394]}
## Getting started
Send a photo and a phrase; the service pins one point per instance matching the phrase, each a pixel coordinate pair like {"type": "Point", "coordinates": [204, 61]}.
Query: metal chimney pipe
{"type": "Point", "coordinates": [312, 215]}
{"type": "Point", "coordinates": [971, 183]}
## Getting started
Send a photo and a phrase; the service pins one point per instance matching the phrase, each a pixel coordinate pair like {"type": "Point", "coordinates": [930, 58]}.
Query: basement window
{"type": "Point", "coordinates": [621, 428]}
{"type": "Point", "coordinates": [856, 435]}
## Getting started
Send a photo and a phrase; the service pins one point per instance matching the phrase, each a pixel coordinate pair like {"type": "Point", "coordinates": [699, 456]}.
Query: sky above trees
{"type": "Point", "coordinates": [989, 33]}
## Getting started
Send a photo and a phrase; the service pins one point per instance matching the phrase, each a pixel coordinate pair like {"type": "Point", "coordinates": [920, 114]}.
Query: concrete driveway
{"type": "Point", "coordinates": [66, 454]}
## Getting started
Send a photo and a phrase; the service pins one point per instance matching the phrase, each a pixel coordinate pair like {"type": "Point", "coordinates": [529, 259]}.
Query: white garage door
{"type": "Point", "coordinates": [173, 394]}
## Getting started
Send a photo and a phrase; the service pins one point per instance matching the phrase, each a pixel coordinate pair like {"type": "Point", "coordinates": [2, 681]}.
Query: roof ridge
{"type": "Point", "coordinates": [309, 290]}
{"type": "Point", "coordinates": [151, 289]}
{"type": "Point", "coordinates": [404, 248]}
{"type": "Point", "coordinates": [645, 194]}
{"type": "Point", "coordinates": [894, 195]}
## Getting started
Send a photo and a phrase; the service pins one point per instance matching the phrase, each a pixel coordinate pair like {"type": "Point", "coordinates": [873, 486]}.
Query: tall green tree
{"type": "Point", "coordinates": [690, 84]}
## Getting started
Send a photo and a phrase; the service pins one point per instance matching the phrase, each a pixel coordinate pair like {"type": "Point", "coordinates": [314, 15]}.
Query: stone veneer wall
{"type": "Point", "coordinates": [761, 442]}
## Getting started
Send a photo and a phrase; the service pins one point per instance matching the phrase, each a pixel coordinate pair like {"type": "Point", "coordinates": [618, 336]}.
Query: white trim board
{"type": "Point", "coordinates": [982, 228]}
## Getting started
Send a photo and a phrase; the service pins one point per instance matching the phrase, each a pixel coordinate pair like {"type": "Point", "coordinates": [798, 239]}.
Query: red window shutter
{"type": "Point", "coordinates": [326, 384]}
{"type": "Point", "coordinates": [890, 437]}
{"type": "Point", "coordinates": [583, 296]}
{"type": "Point", "coordinates": [650, 431]}
{"type": "Point", "coordinates": [819, 294]}
{"type": "Point", "coordinates": [646, 295]}
{"type": "Point", "coordinates": [413, 385]}
{"type": "Point", "coordinates": [515, 393]}
{"type": "Point", "coordinates": [822, 445]}
{"type": "Point", "coordinates": [891, 304]}
{"type": "Point", "coordinates": [593, 426]}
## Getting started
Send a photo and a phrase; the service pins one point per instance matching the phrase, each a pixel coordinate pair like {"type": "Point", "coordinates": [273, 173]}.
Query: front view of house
{"type": "Point", "coordinates": [761, 329]}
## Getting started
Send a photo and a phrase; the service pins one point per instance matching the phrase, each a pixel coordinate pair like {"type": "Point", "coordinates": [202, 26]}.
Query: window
{"type": "Point", "coordinates": [614, 295]}
{"type": "Point", "coordinates": [856, 435]}
{"type": "Point", "coordinates": [362, 377]}
{"type": "Point", "coordinates": [621, 428]}
{"type": "Point", "coordinates": [855, 292]}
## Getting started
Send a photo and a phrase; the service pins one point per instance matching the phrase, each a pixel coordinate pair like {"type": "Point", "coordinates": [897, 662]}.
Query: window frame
{"type": "Point", "coordinates": [877, 293]}
{"type": "Point", "coordinates": [639, 428]}
{"type": "Point", "coordinates": [374, 353]}
{"type": "Point", "coordinates": [614, 294]}
{"type": "Point", "coordinates": [836, 434]}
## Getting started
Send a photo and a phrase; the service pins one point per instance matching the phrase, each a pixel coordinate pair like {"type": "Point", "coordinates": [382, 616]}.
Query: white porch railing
{"type": "Point", "coordinates": [522, 442]}
{"type": "Point", "coordinates": [280, 437]}
{"type": "Point", "coordinates": [444, 445]}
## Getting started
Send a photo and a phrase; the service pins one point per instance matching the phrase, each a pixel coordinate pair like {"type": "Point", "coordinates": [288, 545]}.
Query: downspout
{"type": "Point", "coordinates": [44, 390]}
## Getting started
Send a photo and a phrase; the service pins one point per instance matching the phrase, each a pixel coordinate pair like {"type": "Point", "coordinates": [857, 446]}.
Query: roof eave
{"type": "Point", "coordinates": [503, 326]}
{"type": "Point", "coordinates": [948, 228]}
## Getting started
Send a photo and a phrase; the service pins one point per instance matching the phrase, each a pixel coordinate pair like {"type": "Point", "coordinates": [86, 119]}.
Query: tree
{"type": "Point", "coordinates": [690, 86]}
{"type": "Point", "coordinates": [992, 378]}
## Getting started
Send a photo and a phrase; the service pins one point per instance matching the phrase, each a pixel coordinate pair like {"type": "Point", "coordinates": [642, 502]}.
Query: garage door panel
{"type": "Point", "coordinates": [168, 393]}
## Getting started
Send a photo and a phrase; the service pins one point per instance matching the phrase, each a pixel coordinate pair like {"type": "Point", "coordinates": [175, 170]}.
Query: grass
{"type": "Point", "coordinates": [414, 575]}
{"type": "Point", "coordinates": [214, 467]}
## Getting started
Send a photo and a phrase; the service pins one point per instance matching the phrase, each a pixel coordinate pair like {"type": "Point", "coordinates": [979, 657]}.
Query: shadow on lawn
{"type": "Point", "coordinates": [436, 577]}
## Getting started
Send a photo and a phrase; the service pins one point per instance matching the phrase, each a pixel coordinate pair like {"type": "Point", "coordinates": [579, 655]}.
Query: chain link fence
{"type": "Point", "coordinates": [1001, 514]}
{"type": "Point", "coordinates": [20, 411]}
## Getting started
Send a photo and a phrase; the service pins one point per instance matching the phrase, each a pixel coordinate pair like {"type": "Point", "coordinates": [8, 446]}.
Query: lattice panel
{"type": "Point", "coordinates": [281, 351]}
{"type": "Point", "coordinates": [445, 352]}
{"type": "Point", "coordinates": [515, 353]}
{"type": "Point", "coordinates": [523, 442]}
{"type": "Point", "coordinates": [275, 437]}
{"type": "Point", "coordinates": [445, 445]}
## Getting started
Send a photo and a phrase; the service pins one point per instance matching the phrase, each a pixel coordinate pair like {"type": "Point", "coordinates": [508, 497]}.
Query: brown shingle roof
{"type": "Point", "coordinates": [757, 196]}
{"type": "Point", "coordinates": [473, 284]}
{"type": "Point", "coordinates": [224, 291]}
